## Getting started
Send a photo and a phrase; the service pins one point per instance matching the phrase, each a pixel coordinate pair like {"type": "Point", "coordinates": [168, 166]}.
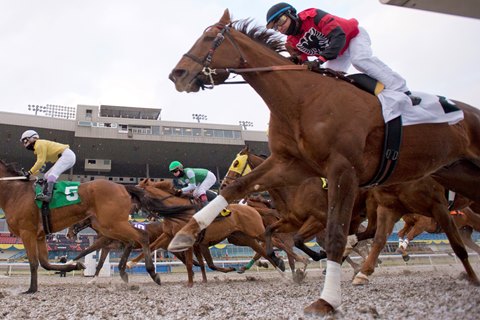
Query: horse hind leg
{"type": "Point", "coordinates": [122, 264]}
{"type": "Point", "coordinates": [43, 258]}
{"type": "Point", "coordinates": [126, 232]}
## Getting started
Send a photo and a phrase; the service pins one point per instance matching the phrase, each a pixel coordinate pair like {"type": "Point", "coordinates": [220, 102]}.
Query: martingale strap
{"type": "Point", "coordinates": [391, 150]}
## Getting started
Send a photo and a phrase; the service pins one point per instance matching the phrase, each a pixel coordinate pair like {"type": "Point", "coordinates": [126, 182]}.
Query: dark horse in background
{"type": "Point", "coordinates": [108, 202]}
{"type": "Point", "coordinates": [323, 127]}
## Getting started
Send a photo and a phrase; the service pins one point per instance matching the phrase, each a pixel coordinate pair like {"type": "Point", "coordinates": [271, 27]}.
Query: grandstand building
{"type": "Point", "coordinates": [123, 144]}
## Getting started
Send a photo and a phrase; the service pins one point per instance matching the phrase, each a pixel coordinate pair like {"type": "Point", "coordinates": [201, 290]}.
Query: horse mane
{"type": "Point", "coordinates": [163, 185]}
{"type": "Point", "coordinates": [268, 37]}
{"type": "Point", "coordinates": [11, 168]}
{"type": "Point", "coordinates": [156, 206]}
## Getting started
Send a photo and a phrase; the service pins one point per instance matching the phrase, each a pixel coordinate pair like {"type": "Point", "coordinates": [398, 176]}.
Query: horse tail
{"type": "Point", "coordinates": [153, 205]}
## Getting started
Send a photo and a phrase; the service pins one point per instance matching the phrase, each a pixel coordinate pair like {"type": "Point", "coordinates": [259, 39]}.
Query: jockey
{"type": "Point", "coordinates": [197, 180]}
{"type": "Point", "coordinates": [338, 43]}
{"type": "Point", "coordinates": [47, 151]}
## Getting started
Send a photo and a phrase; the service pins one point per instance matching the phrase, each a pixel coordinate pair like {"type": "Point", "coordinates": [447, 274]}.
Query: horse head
{"type": "Point", "coordinates": [243, 164]}
{"type": "Point", "coordinates": [218, 52]}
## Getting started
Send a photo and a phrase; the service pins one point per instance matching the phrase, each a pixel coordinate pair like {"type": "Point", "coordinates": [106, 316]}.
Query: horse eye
{"type": "Point", "coordinates": [236, 163]}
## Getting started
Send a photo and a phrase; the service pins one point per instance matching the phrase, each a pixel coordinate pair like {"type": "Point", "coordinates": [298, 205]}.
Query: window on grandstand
{"type": "Point", "coordinates": [141, 129]}
{"type": "Point", "coordinates": [167, 131]}
{"type": "Point", "coordinates": [123, 128]}
{"type": "Point", "coordinates": [218, 133]}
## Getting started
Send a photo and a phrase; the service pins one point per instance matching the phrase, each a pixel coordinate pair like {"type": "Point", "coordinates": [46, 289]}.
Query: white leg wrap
{"type": "Point", "coordinates": [207, 214]}
{"type": "Point", "coordinates": [331, 288]}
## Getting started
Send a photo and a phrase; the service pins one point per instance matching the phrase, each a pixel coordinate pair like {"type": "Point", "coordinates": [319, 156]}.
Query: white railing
{"type": "Point", "coordinates": [10, 267]}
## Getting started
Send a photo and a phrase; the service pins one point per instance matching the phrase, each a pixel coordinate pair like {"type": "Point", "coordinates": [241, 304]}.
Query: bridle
{"type": "Point", "coordinates": [209, 72]}
{"type": "Point", "coordinates": [247, 168]}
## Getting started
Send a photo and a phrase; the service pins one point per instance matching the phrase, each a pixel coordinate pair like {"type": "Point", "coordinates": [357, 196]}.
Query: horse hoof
{"type": "Point", "coordinates": [81, 266]}
{"type": "Point", "coordinates": [319, 307]}
{"type": "Point", "coordinates": [157, 279]}
{"type": "Point", "coordinates": [181, 242]}
{"type": "Point", "coordinates": [360, 280]}
{"type": "Point", "coordinates": [406, 258]}
{"type": "Point", "coordinates": [299, 276]}
{"type": "Point", "coordinates": [241, 270]}
{"type": "Point", "coordinates": [30, 291]}
{"type": "Point", "coordinates": [130, 264]}
{"type": "Point", "coordinates": [281, 265]}
{"type": "Point", "coordinates": [124, 277]}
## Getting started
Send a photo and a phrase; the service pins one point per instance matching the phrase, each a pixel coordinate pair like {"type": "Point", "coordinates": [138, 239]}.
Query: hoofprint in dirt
{"type": "Point", "coordinates": [413, 292]}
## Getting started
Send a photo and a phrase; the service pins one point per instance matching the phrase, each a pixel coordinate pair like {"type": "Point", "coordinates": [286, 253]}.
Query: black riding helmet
{"type": "Point", "coordinates": [279, 10]}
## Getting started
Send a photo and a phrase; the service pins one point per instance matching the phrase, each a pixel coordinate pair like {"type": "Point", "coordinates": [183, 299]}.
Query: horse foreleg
{"type": "Point", "coordinates": [189, 266]}
{"type": "Point", "coordinates": [198, 254]}
{"type": "Point", "coordinates": [341, 196]}
{"type": "Point", "coordinates": [250, 263]}
{"type": "Point", "coordinates": [443, 218]}
{"type": "Point", "coordinates": [30, 244]}
{"type": "Point", "coordinates": [160, 242]}
{"type": "Point", "coordinates": [310, 228]}
{"type": "Point", "coordinates": [385, 222]}
{"type": "Point", "coordinates": [103, 255]}
{"type": "Point", "coordinates": [241, 239]}
{"type": "Point", "coordinates": [208, 258]}
{"type": "Point", "coordinates": [466, 234]}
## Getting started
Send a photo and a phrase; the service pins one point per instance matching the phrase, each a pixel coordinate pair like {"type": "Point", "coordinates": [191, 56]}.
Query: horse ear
{"type": "Point", "coordinates": [225, 18]}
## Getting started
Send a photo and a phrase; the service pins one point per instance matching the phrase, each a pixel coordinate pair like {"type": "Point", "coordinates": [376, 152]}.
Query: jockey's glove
{"type": "Point", "coordinates": [177, 192]}
{"type": "Point", "coordinates": [27, 174]}
{"type": "Point", "coordinates": [314, 64]}
{"type": "Point", "coordinates": [295, 59]}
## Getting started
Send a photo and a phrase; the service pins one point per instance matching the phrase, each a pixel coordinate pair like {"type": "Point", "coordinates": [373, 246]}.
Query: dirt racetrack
{"type": "Point", "coordinates": [413, 292]}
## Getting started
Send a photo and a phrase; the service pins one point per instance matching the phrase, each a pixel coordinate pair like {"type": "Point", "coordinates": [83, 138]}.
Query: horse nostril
{"type": "Point", "coordinates": [177, 74]}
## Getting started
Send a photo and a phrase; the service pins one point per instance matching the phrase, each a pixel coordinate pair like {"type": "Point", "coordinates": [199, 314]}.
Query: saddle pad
{"type": "Point", "coordinates": [432, 109]}
{"type": "Point", "coordinates": [65, 193]}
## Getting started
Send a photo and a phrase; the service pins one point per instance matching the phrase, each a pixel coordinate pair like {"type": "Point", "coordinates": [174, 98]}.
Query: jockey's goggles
{"type": "Point", "coordinates": [278, 23]}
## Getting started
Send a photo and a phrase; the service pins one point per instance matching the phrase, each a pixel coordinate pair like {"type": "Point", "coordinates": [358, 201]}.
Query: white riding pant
{"type": "Point", "coordinates": [65, 162]}
{"type": "Point", "coordinates": [205, 185]}
{"type": "Point", "coordinates": [359, 54]}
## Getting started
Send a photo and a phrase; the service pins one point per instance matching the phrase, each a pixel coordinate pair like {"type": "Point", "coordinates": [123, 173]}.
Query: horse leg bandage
{"type": "Point", "coordinates": [331, 288]}
{"type": "Point", "coordinates": [205, 216]}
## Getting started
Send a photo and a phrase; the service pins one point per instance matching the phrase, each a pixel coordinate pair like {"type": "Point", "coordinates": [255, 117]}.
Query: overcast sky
{"type": "Point", "coordinates": [120, 52]}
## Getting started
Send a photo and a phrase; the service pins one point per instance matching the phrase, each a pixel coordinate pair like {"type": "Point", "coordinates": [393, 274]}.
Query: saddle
{"type": "Point", "coordinates": [65, 193]}
{"type": "Point", "coordinates": [393, 128]}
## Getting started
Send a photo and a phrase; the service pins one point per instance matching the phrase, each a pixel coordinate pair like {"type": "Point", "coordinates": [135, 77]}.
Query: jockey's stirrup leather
{"type": "Point", "coordinates": [46, 196]}
{"type": "Point", "coordinates": [415, 100]}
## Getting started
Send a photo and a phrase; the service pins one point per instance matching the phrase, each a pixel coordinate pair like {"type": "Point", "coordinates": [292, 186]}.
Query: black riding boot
{"type": "Point", "coordinates": [46, 196]}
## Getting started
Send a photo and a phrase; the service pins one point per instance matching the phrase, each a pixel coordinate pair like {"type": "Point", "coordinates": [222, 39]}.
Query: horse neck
{"type": "Point", "coordinates": [258, 55]}
{"type": "Point", "coordinates": [14, 192]}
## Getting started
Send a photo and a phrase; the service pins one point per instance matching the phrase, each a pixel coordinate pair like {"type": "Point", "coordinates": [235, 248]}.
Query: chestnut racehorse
{"type": "Point", "coordinates": [414, 224]}
{"type": "Point", "coordinates": [244, 226]}
{"type": "Point", "coordinates": [108, 202]}
{"type": "Point", "coordinates": [424, 196]}
{"type": "Point", "coordinates": [154, 230]}
{"type": "Point", "coordinates": [322, 127]}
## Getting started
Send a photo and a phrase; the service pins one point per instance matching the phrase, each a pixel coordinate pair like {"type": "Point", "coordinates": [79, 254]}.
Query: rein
{"type": "Point", "coordinates": [13, 178]}
{"type": "Point", "coordinates": [209, 72]}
